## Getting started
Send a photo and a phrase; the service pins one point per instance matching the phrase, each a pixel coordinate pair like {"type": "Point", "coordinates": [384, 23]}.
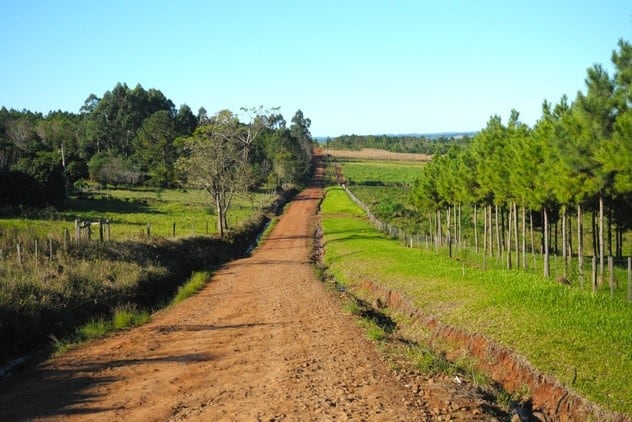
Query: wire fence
{"type": "Point", "coordinates": [615, 274]}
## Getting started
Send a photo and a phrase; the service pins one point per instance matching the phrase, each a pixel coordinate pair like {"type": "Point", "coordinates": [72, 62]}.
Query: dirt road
{"type": "Point", "coordinates": [263, 340]}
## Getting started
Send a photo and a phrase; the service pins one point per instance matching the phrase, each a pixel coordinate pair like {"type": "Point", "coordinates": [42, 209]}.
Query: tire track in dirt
{"type": "Point", "coordinates": [263, 340]}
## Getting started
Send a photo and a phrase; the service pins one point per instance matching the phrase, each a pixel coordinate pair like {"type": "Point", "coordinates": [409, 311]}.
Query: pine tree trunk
{"type": "Point", "coordinates": [580, 244]}
{"type": "Point", "coordinates": [532, 238]}
{"type": "Point", "coordinates": [460, 228]}
{"type": "Point", "coordinates": [515, 228]}
{"type": "Point", "coordinates": [546, 242]}
{"type": "Point", "coordinates": [490, 231]}
{"type": "Point", "coordinates": [430, 231]}
{"type": "Point", "coordinates": [601, 239]}
{"type": "Point", "coordinates": [569, 238]}
{"type": "Point", "coordinates": [485, 238]}
{"type": "Point", "coordinates": [439, 232]}
{"type": "Point", "coordinates": [564, 261]}
{"type": "Point", "coordinates": [508, 237]}
{"type": "Point", "coordinates": [475, 230]}
{"type": "Point", "coordinates": [449, 228]}
{"type": "Point", "coordinates": [619, 238]}
{"type": "Point", "coordinates": [503, 231]}
{"type": "Point", "coordinates": [595, 243]}
{"type": "Point", "coordinates": [609, 231]}
{"type": "Point", "coordinates": [524, 238]}
{"type": "Point", "coordinates": [500, 253]}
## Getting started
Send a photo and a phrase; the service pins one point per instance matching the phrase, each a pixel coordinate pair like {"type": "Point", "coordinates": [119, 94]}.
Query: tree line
{"type": "Point", "coordinates": [404, 143]}
{"type": "Point", "coordinates": [576, 159]}
{"type": "Point", "coordinates": [134, 136]}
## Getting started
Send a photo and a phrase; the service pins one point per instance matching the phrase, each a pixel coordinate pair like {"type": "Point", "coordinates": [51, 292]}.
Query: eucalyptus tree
{"type": "Point", "coordinates": [299, 129]}
{"type": "Point", "coordinates": [185, 121]}
{"type": "Point", "coordinates": [155, 148]}
{"type": "Point", "coordinates": [113, 120]}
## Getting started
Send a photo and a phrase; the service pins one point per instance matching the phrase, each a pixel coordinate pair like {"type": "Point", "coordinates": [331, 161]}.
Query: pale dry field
{"type": "Point", "coordinates": [376, 154]}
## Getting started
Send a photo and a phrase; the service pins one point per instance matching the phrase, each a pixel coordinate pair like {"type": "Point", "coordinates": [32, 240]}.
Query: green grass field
{"type": "Point", "coordinates": [559, 330]}
{"type": "Point", "coordinates": [129, 212]}
{"type": "Point", "coordinates": [381, 172]}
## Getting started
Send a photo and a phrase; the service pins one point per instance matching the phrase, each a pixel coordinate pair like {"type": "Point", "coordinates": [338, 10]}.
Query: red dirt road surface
{"type": "Point", "coordinates": [263, 340]}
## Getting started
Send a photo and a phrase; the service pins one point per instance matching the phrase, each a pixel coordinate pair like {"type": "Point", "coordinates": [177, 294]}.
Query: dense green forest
{"type": "Point", "coordinates": [576, 159]}
{"type": "Point", "coordinates": [134, 136]}
{"type": "Point", "coordinates": [404, 143]}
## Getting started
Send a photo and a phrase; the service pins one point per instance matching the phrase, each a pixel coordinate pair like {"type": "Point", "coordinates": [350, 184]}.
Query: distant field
{"type": "Point", "coordinates": [385, 187]}
{"type": "Point", "coordinates": [381, 172]}
{"type": "Point", "coordinates": [376, 154]}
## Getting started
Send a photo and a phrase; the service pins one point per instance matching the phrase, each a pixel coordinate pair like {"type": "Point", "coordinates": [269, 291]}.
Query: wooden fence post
{"type": "Point", "coordinates": [630, 278]}
{"type": "Point", "coordinates": [50, 248]}
{"type": "Point", "coordinates": [107, 230]}
{"type": "Point", "coordinates": [174, 229]}
{"type": "Point", "coordinates": [101, 230]}
{"type": "Point", "coordinates": [19, 248]}
{"type": "Point", "coordinates": [66, 239]}
{"type": "Point", "coordinates": [77, 231]}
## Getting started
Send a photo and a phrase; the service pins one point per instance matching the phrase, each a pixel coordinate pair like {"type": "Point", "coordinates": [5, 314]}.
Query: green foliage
{"type": "Point", "coordinates": [93, 330]}
{"type": "Point", "coordinates": [115, 170]}
{"type": "Point", "coordinates": [576, 155]}
{"type": "Point", "coordinates": [568, 330]}
{"type": "Point", "coordinates": [132, 136]}
{"type": "Point", "coordinates": [128, 316]}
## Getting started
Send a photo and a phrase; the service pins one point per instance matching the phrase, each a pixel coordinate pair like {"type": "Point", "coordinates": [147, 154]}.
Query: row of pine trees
{"type": "Point", "coordinates": [575, 161]}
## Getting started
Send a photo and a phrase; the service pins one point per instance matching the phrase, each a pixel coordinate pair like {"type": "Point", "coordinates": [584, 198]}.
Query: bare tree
{"type": "Point", "coordinates": [216, 160]}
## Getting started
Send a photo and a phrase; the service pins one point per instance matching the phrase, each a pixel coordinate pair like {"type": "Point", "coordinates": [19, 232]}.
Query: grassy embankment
{"type": "Point", "coordinates": [583, 339]}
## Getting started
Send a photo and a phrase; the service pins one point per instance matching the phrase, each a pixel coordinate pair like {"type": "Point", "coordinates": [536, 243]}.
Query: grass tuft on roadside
{"type": "Point", "coordinates": [192, 286]}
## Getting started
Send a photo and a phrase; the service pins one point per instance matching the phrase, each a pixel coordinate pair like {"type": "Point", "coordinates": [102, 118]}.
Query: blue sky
{"type": "Point", "coordinates": [364, 67]}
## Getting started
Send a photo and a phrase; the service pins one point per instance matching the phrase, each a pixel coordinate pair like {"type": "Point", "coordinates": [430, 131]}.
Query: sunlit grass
{"type": "Point", "coordinates": [559, 330]}
{"type": "Point", "coordinates": [132, 211]}
{"type": "Point", "coordinates": [192, 286]}
{"type": "Point", "coordinates": [123, 318]}
{"type": "Point", "coordinates": [381, 172]}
